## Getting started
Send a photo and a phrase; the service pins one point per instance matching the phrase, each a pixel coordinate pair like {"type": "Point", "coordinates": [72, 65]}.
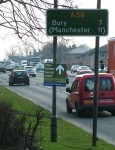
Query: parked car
{"type": "Point", "coordinates": [84, 69]}
{"type": "Point", "coordinates": [80, 97]}
{"type": "Point", "coordinates": [74, 68]}
{"type": "Point", "coordinates": [31, 70]}
{"type": "Point", "coordinates": [40, 67]}
{"type": "Point", "coordinates": [19, 76]}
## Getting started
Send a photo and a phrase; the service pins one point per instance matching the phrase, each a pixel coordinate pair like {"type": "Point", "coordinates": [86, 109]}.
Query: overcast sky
{"type": "Point", "coordinates": [105, 4]}
{"type": "Point", "coordinates": [90, 41]}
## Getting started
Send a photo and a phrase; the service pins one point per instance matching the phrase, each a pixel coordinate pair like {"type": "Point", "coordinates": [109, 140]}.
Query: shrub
{"type": "Point", "coordinates": [15, 133]}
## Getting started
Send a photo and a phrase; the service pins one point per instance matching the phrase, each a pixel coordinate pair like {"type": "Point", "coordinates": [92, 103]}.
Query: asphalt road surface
{"type": "Point", "coordinates": [42, 96]}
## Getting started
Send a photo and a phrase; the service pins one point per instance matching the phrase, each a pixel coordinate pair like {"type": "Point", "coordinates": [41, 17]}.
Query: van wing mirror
{"type": "Point", "coordinates": [68, 90]}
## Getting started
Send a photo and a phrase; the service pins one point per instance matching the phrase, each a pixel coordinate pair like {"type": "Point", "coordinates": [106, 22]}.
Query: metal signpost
{"type": "Point", "coordinates": [82, 22]}
{"type": "Point", "coordinates": [74, 22]}
{"type": "Point", "coordinates": [95, 108]}
{"type": "Point", "coordinates": [55, 74]}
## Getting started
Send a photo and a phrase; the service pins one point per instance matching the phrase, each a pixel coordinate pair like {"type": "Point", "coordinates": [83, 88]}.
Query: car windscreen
{"type": "Point", "coordinates": [8, 63]}
{"type": "Point", "coordinates": [24, 62]}
{"type": "Point", "coordinates": [35, 59]}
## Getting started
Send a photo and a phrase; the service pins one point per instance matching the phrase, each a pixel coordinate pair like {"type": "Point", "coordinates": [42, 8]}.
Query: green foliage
{"type": "Point", "coordinates": [17, 128]}
{"type": "Point", "coordinates": [69, 137]}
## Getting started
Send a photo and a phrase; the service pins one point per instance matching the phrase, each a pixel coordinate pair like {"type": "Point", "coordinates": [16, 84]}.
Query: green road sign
{"type": "Point", "coordinates": [55, 74]}
{"type": "Point", "coordinates": [62, 22]}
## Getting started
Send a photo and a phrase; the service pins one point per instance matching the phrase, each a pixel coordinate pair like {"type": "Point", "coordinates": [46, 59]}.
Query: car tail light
{"type": "Point", "coordinates": [66, 74]}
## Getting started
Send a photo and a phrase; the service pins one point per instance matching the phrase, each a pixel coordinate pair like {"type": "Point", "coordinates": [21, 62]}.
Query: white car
{"type": "Point", "coordinates": [9, 66]}
{"type": "Point", "coordinates": [74, 68]}
{"type": "Point", "coordinates": [84, 69]}
{"type": "Point", "coordinates": [23, 63]}
{"type": "Point", "coordinates": [31, 70]}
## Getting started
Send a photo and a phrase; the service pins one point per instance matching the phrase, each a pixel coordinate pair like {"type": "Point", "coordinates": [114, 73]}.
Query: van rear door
{"type": "Point", "coordinates": [106, 91]}
{"type": "Point", "coordinates": [88, 88]}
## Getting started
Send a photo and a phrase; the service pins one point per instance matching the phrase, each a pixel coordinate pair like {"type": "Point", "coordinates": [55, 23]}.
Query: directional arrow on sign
{"type": "Point", "coordinates": [60, 68]}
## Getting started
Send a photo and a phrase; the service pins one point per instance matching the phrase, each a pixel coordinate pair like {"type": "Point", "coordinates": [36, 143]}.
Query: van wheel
{"type": "Point", "coordinates": [113, 112]}
{"type": "Point", "coordinates": [78, 111]}
{"type": "Point", "coordinates": [69, 110]}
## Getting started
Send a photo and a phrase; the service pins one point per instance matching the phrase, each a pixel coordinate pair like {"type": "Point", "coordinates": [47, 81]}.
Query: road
{"type": "Point", "coordinates": [42, 96]}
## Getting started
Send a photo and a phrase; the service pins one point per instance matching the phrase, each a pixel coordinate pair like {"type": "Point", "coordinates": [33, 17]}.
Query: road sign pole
{"type": "Point", "coordinates": [95, 108]}
{"type": "Point", "coordinates": [54, 116]}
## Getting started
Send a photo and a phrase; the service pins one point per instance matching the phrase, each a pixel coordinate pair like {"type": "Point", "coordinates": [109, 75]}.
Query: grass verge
{"type": "Point", "coordinates": [69, 136]}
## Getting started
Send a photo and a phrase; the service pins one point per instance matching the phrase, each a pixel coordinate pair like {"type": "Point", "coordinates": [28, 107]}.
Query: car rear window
{"type": "Point", "coordinates": [85, 68]}
{"type": "Point", "coordinates": [106, 84]}
{"type": "Point", "coordinates": [29, 69]}
{"type": "Point", "coordinates": [20, 73]}
{"type": "Point", "coordinates": [89, 84]}
{"type": "Point", "coordinates": [8, 63]}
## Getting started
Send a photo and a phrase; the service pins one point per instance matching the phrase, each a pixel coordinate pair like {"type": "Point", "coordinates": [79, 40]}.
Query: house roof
{"type": "Point", "coordinates": [103, 48]}
{"type": "Point", "coordinates": [81, 50]}
{"type": "Point", "coordinates": [78, 50]}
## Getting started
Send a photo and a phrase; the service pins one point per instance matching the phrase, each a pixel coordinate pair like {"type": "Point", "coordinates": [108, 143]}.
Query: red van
{"type": "Point", "coordinates": [80, 95]}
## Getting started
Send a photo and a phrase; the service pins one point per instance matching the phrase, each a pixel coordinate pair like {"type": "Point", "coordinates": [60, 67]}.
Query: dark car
{"type": "Point", "coordinates": [18, 77]}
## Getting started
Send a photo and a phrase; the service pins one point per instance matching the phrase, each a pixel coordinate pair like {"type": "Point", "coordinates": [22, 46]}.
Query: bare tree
{"type": "Point", "coordinates": [28, 47]}
{"type": "Point", "coordinates": [21, 49]}
{"type": "Point", "coordinates": [24, 17]}
{"type": "Point", "coordinates": [16, 50]}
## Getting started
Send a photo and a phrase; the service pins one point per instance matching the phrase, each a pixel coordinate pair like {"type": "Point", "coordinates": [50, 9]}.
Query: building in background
{"type": "Point", "coordinates": [84, 56]}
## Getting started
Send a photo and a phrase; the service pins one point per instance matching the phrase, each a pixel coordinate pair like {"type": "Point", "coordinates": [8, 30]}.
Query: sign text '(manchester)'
{"type": "Point", "coordinates": [66, 30]}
